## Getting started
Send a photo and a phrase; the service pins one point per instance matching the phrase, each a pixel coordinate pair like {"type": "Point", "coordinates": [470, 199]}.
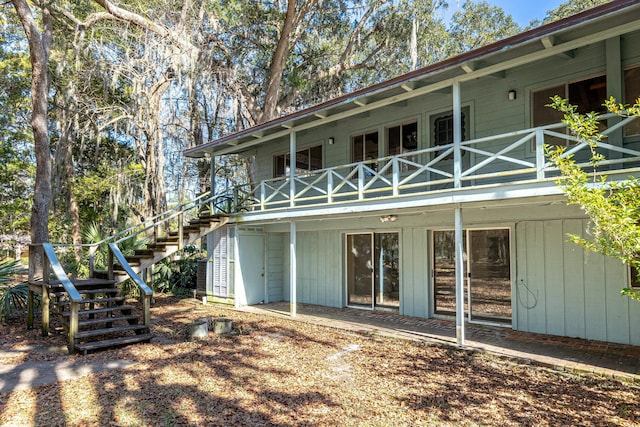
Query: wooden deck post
{"type": "Point", "coordinates": [457, 136]}
{"type": "Point", "coordinates": [292, 268]}
{"type": "Point", "coordinates": [459, 248]}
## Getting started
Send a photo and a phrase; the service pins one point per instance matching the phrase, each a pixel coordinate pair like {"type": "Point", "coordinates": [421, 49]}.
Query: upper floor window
{"type": "Point", "coordinates": [364, 147]}
{"type": "Point", "coordinates": [307, 160]}
{"type": "Point", "coordinates": [442, 127]}
{"type": "Point", "coordinates": [631, 95]}
{"type": "Point", "coordinates": [402, 138]}
{"type": "Point", "coordinates": [588, 95]}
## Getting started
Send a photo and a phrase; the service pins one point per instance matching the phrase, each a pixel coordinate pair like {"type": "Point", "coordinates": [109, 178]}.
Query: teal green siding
{"type": "Point", "coordinates": [275, 267]}
{"type": "Point", "coordinates": [414, 273]}
{"type": "Point", "coordinates": [565, 290]}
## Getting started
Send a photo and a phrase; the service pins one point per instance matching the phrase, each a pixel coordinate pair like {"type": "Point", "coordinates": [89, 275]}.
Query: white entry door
{"type": "Point", "coordinates": [252, 267]}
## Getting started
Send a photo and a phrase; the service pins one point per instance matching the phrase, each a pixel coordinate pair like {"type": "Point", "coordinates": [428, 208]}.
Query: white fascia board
{"type": "Point", "coordinates": [485, 195]}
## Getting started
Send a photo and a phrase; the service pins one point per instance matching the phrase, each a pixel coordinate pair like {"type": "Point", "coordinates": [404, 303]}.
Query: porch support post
{"type": "Point", "coordinates": [292, 168]}
{"type": "Point", "coordinates": [459, 246]}
{"type": "Point", "coordinates": [457, 136]}
{"type": "Point", "coordinates": [292, 268]}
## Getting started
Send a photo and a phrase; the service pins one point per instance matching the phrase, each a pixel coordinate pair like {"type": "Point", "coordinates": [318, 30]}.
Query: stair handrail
{"type": "Point", "coordinates": [145, 291]}
{"type": "Point", "coordinates": [70, 289]}
{"type": "Point", "coordinates": [135, 230]}
{"type": "Point", "coordinates": [137, 226]}
{"type": "Point", "coordinates": [60, 274]}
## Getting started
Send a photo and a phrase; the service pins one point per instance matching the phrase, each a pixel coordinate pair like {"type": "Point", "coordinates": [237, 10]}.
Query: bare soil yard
{"type": "Point", "coordinates": [273, 371]}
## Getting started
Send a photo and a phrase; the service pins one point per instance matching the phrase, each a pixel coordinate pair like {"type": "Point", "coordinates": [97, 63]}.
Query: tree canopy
{"type": "Point", "coordinates": [116, 90]}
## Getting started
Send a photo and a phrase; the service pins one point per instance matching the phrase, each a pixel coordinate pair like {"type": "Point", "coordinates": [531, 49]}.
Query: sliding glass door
{"type": "Point", "coordinates": [360, 269]}
{"type": "Point", "coordinates": [372, 270]}
{"type": "Point", "coordinates": [487, 274]}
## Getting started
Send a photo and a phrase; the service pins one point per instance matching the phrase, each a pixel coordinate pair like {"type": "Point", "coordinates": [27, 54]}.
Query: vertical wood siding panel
{"type": "Point", "coordinates": [322, 266]}
{"type": "Point", "coordinates": [536, 296]}
{"type": "Point", "coordinates": [336, 269]}
{"type": "Point", "coordinates": [574, 281]}
{"type": "Point", "coordinates": [617, 305]}
{"type": "Point", "coordinates": [522, 230]}
{"type": "Point", "coordinates": [286, 282]}
{"type": "Point", "coordinates": [313, 264]}
{"type": "Point", "coordinates": [419, 271]}
{"type": "Point", "coordinates": [407, 287]}
{"type": "Point", "coordinates": [274, 266]}
{"type": "Point", "coordinates": [305, 271]}
{"type": "Point", "coordinates": [594, 296]}
{"type": "Point", "coordinates": [553, 276]}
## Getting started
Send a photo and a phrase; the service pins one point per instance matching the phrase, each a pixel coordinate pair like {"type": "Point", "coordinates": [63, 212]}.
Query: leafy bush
{"type": "Point", "coordinates": [178, 276]}
{"type": "Point", "coordinates": [13, 296]}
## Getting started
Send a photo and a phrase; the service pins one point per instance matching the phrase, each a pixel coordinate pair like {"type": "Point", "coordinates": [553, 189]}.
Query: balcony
{"type": "Point", "coordinates": [483, 165]}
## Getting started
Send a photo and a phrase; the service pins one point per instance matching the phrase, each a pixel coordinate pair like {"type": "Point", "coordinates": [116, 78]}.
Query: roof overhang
{"type": "Point", "coordinates": [558, 38]}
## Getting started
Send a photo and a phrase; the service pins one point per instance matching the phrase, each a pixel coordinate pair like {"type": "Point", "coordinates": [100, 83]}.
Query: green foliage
{"type": "Point", "coordinates": [571, 7]}
{"type": "Point", "coordinates": [177, 276]}
{"type": "Point", "coordinates": [613, 207]}
{"type": "Point", "coordinates": [478, 24]}
{"type": "Point", "coordinates": [13, 296]}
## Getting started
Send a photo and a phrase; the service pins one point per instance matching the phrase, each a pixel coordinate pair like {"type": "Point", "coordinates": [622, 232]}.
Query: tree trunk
{"type": "Point", "coordinates": [278, 62]}
{"type": "Point", "coordinates": [39, 48]}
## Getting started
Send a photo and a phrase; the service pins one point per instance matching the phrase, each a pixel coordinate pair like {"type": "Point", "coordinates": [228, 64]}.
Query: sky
{"type": "Point", "coordinates": [522, 11]}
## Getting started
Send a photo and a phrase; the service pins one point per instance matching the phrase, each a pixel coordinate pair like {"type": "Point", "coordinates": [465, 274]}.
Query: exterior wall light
{"type": "Point", "coordinates": [512, 95]}
{"type": "Point", "coordinates": [331, 140]}
{"type": "Point", "coordinates": [388, 218]}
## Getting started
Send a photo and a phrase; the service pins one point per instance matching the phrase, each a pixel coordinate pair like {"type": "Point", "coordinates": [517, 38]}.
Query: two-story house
{"type": "Point", "coordinates": [430, 194]}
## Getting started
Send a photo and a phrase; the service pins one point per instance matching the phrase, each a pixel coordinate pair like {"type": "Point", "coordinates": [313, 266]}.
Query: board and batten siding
{"type": "Point", "coordinates": [275, 267]}
{"type": "Point", "coordinates": [319, 259]}
{"type": "Point", "coordinates": [563, 289]}
{"type": "Point", "coordinates": [414, 272]}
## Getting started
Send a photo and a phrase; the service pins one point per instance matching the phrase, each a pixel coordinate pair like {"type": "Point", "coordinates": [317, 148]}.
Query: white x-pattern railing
{"type": "Point", "coordinates": [506, 158]}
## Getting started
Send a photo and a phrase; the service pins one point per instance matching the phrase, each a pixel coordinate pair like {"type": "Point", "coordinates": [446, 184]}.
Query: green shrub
{"type": "Point", "coordinates": [13, 296]}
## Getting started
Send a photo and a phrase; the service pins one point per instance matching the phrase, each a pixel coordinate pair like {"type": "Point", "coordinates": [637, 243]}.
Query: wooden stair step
{"type": "Point", "coordinates": [83, 283]}
{"type": "Point", "coordinates": [96, 321]}
{"type": "Point", "coordinates": [105, 331]}
{"type": "Point", "coordinates": [140, 252]}
{"type": "Point", "coordinates": [138, 257]}
{"type": "Point", "coordinates": [159, 247]}
{"type": "Point", "coordinates": [100, 310]}
{"type": "Point", "coordinates": [94, 301]}
{"type": "Point", "coordinates": [114, 342]}
{"type": "Point", "coordinates": [167, 240]}
{"type": "Point", "coordinates": [90, 291]}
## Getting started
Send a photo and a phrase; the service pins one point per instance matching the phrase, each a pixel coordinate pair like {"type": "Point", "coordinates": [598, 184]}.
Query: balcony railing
{"type": "Point", "coordinates": [500, 159]}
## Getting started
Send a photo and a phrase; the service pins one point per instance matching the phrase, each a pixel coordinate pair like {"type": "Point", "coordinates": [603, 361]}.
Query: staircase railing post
{"type": "Point", "coordinates": [45, 293]}
{"type": "Point", "coordinates": [110, 274]}
{"type": "Point", "coordinates": [146, 306]}
{"type": "Point", "coordinates": [92, 259]}
{"type": "Point", "coordinates": [36, 259]}
{"type": "Point", "coordinates": [73, 325]}
{"type": "Point", "coordinates": [45, 310]}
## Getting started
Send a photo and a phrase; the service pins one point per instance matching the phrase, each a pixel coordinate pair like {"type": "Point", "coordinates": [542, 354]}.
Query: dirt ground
{"type": "Point", "coordinates": [273, 371]}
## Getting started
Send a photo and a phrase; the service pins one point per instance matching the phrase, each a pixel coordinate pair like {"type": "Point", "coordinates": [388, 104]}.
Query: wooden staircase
{"type": "Point", "coordinates": [165, 246]}
{"type": "Point", "coordinates": [93, 312]}
{"type": "Point", "coordinates": [104, 318]}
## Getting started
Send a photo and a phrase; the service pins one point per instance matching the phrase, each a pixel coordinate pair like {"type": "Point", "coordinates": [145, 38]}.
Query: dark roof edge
{"type": "Point", "coordinates": [518, 39]}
